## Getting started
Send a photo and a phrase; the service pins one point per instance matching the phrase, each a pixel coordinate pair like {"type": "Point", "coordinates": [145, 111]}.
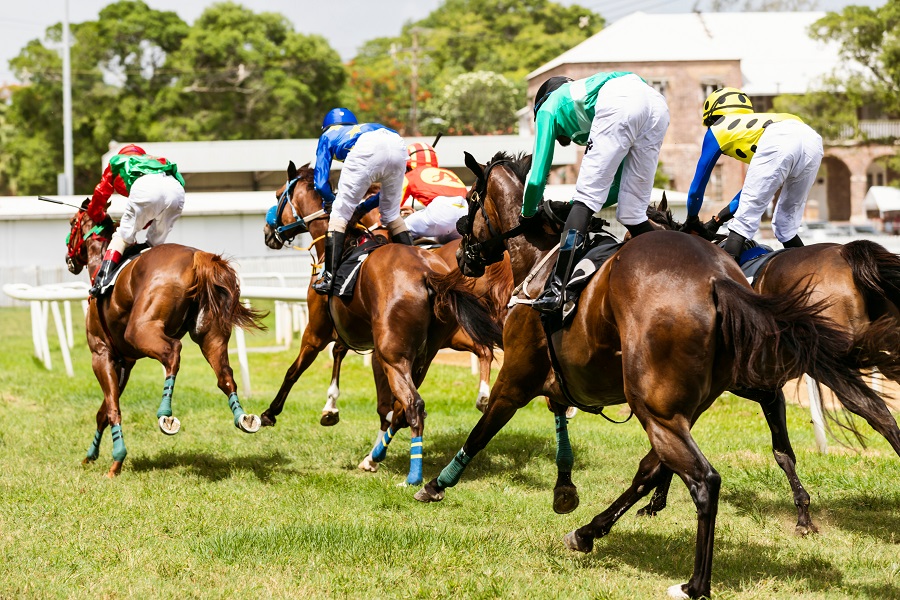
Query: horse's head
{"type": "Point", "coordinates": [299, 206]}
{"type": "Point", "coordinates": [494, 204]}
{"type": "Point", "coordinates": [86, 240]}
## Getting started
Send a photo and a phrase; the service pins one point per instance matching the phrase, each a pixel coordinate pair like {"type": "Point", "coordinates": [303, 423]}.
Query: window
{"type": "Point", "coordinates": [708, 86]}
{"type": "Point", "coordinates": [659, 84]}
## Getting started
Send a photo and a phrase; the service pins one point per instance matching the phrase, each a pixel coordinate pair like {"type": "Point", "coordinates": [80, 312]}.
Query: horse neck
{"type": "Point", "coordinates": [524, 250]}
{"type": "Point", "coordinates": [95, 251]}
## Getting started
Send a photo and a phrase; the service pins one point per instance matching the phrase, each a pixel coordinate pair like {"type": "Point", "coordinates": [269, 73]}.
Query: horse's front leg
{"type": "Point", "coordinates": [385, 412]}
{"type": "Point", "coordinates": [565, 494]}
{"type": "Point", "coordinates": [330, 414]}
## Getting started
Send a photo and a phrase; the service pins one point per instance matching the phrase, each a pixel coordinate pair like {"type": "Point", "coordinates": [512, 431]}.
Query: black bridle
{"type": "Point", "coordinates": [478, 254]}
{"type": "Point", "coordinates": [286, 233]}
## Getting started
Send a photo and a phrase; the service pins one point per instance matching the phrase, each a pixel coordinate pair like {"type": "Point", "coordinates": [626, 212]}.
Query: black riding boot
{"type": "Point", "coordinates": [334, 246]}
{"type": "Point", "coordinates": [110, 261]}
{"type": "Point", "coordinates": [572, 238]}
{"type": "Point", "coordinates": [402, 238]}
{"type": "Point", "coordinates": [794, 242]}
{"type": "Point", "coordinates": [734, 245]}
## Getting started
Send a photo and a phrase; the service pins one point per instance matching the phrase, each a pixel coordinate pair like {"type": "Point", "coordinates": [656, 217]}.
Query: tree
{"type": "Point", "coordinates": [476, 103]}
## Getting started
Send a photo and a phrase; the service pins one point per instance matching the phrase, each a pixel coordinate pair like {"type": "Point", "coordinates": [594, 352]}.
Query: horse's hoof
{"type": "Point", "coordinates": [565, 500]}
{"type": "Point", "coordinates": [805, 530]}
{"type": "Point", "coordinates": [368, 464]}
{"type": "Point", "coordinates": [575, 542]}
{"type": "Point", "coordinates": [677, 591]}
{"type": "Point", "coordinates": [647, 511]}
{"type": "Point", "coordinates": [114, 470]}
{"type": "Point", "coordinates": [169, 425]}
{"type": "Point", "coordinates": [571, 412]}
{"type": "Point", "coordinates": [88, 461]}
{"type": "Point", "coordinates": [481, 404]}
{"type": "Point", "coordinates": [266, 420]}
{"type": "Point", "coordinates": [329, 418]}
{"type": "Point", "coordinates": [429, 493]}
{"type": "Point", "coordinates": [248, 423]}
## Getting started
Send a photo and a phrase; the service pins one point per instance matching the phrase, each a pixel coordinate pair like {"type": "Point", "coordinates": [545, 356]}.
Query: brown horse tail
{"type": "Point", "coordinates": [454, 301]}
{"type": "Point", "coordinates": [875, 269]}
{"type": "Point", "coordinates": [502, 286]}
{"type": "Point", "coordinates": [776, 338]}
{"type": "Point", "coordinates": [217, 290]}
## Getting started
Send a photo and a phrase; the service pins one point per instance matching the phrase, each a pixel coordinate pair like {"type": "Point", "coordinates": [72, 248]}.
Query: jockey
{"type": "Point", "coordinates": [440, 191]}
{"type": "Point", "coordinates": [782, 151]}
{"type": "Point", "coordinates": [155, 192]}
{"type": "Point", "coordinates": [371, 152]}
{"type": "Point", "coordinates": [616, 116]}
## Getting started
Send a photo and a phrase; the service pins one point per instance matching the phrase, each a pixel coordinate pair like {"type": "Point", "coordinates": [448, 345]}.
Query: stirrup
{"type": "Point", "coordinates": [549, 302]}
{"type": "Point", "coordinates": [324, 285]}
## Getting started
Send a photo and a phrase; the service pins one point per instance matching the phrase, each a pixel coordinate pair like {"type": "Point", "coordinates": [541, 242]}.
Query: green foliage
{"type": "Point", "coordinates": [476, 103]}
{"type": "Point", "coordinates": [832, 115]}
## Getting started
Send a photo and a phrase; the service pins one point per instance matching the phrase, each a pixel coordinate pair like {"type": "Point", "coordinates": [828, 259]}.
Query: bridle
{"type": "Point", "coordinates": [285, 233]}
{"type": "Point", "coordinates": [75, 241]}
{"type": "Point", "coordinates": [478, 254]}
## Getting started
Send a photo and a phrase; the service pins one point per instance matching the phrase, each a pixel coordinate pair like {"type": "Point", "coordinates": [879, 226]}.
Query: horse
{"type": "Point", "coordinates": [665, 325]}
{"type": "Point", "coordinates": [166, 292]}
{"type": "Point", "coordinates": [402, 309]}
{"type": "Point", "coordinates": [860, 282]}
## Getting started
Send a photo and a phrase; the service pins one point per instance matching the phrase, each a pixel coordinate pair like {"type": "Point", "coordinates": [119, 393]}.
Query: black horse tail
{"type": "Point", "coordinates": [777, 338]}
{"type": "Point", "coordinates": [454, 301]}
{"type": "Point", "coordinates": [218, 293]}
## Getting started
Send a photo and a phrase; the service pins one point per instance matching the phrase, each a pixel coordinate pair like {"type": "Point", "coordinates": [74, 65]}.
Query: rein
{"type": "Point", "coordinates": [286, 233]}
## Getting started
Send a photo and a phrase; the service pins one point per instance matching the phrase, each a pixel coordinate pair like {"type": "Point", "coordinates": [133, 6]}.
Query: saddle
{"type": "Point", "coordinates": [354, 256]}
{"type": "Point", "coordinates": [754, 257]}
{"type": "Point", "coordinates": [131, 253]}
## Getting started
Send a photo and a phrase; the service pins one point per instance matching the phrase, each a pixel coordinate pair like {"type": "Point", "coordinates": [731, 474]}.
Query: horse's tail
{"type": "Point", "coordinates": [454, 301]}
{"type": "Point", "coordinates": [217, 290]}
{"type": "Point", "coordinates": [876, 270]}
{"type": "Point", "coordinates": [777, 338]}
{"type": "Point", "coordinates": [501, 288]}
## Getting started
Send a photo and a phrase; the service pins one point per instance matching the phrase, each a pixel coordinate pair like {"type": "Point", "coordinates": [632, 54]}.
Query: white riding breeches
{"type": "Point", "coordinates": [378, 156]}
{"type": "Point", "coordinates": [438, 220]}
{"type": "Point", "coordinates": [630, 122]}
{"type": "Point", "coordinates": [787, 156]}
{"type": "Point", "coordinates": [154, 197]}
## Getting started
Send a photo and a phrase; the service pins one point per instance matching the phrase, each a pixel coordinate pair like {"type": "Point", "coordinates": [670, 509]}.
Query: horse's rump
{"type": "Point", "coordinates": [216, 290]}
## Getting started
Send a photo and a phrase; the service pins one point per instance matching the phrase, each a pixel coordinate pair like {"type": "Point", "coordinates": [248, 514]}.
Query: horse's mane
{"type": "Point", "coordinates": [519, 163]}
{"type": "Point", "coordinates": [307, 175]}
{"type": "Point", "coordinates": [663, 218]}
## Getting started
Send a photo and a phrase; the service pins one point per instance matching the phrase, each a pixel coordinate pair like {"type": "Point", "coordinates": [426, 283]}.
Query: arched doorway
{"type": "Point", "coordinates": [837, 183]}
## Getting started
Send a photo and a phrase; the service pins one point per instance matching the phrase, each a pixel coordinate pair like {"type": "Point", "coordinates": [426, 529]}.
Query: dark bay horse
{"type": "Point", "coordinates": [165, 293]}
{"type": "Point", "coordinates": [860, 283]}
{"type": "Point", "coordinates": [497, 286]}
{"type": "Point", "coordinates": [403, 310]}
{"type": "Point", "coordinates": [667, 324]}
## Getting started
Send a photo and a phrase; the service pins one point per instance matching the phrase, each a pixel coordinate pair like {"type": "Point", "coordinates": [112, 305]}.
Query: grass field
{"type": "Point", "coordinates": [213, 512]}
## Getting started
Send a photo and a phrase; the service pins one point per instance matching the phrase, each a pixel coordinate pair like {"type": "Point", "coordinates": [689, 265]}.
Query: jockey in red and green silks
{"type": "Point", "coordinates": [616, 116]}
{"type": "Point", "coordinates": [155, 192]}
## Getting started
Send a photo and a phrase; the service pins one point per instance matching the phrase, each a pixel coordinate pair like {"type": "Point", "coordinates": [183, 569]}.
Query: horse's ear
{"type": "Point", "coordinates": [292, 170]}
{"type": "Point", "coordinates": [663, 204]}
{"type": "Point", "coordinates": [473, 165]}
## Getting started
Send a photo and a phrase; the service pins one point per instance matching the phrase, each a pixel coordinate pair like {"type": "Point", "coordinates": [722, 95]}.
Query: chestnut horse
{"type": "Point", "coordinates": [861, 283]}
{"type": "Point", "coordinates": [165, 293]}
{"type": "Point", "coordinates": [313, 219]}
{"type": "Point", "coordinates": [666, 324]}
{"type": "Point", "coordinates": [403, 311]}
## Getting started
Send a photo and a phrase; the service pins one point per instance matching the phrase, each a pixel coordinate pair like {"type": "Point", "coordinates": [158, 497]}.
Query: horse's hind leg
{"type": "Point", "coordinates": [660, 495]}
{"type": "Point", "coordinates": [385, 407]}
{"type": "Point", "coordinates": [330, 414]}
{"type": "Point", "coordinates": [878, 416]}
{"type": "Point", "coordinates": [108, 414]}
{"type": "Point", "coordinates": [484, 385]}
{"type": "Point", "coordinates": [214, 345]}
{"type": "Point", "coordinates": [150, 339]}
{"type": "Point", "coordinates": [397, 371]}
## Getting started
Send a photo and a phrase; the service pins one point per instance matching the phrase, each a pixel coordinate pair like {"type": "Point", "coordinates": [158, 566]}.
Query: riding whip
{"type": "Point", "coordinates": [55, 201]}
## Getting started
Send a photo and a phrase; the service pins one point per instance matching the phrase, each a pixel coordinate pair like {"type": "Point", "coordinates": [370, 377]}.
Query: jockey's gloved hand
{"type": "Point", "coordinates": [694, 226]}
{"type": "Point", "coordinates": [531, 221]}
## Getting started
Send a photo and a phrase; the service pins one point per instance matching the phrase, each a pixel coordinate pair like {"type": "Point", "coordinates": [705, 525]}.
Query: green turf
{"type": "Point", "coordinates": [213, 512]}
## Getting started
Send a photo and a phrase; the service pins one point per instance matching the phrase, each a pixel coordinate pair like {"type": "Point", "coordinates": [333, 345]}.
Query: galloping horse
{"type": "Point", "coordinates": [860, 282]}
{"type": "Point", "coordinates": [666, 324]}
{"type": "Point", "coordinates": [403, 310]}
{"type": "Point", "coordinates": [497, 286]}
{"type": "Point", "coordinates": [168, 291]}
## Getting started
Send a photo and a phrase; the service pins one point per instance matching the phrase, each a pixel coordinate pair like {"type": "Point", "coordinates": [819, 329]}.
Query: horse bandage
{"type": "Point", "coordinates": [379, 452]}
{"type": "Point", "coordinates": [452, 472]}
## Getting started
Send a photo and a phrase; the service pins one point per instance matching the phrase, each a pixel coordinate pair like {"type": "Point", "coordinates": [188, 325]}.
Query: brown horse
{"type": "Point", "coordinates": [165, 293]}
{"type": "Point", "coordinates": [403, 311]}
{"type": "Point", "coordinates": [860, 282]}
{"type": "Point", "coordinates": [667, 324]}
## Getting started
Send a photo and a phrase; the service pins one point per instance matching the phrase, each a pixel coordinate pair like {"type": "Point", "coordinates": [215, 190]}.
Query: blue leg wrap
{"type": "Point", "coordinates": [415, 461]}
{"type": "Point", "coordinates": [452, 472]}
{"type": "Point", "coordinates": [564, 456]}
{"type": "Point", "coordinates": [165, 407]}
{"type": "Point", "coordinates": [119, 450]}
{"type": "Point", "coordinates": [236, 409]}
{"type": "Point", "coordinates": [379, 452]}
{"type": "Point", "coordinates": [94, 451]}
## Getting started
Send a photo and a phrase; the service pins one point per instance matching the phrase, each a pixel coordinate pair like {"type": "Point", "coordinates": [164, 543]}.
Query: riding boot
{"type": "Point", "coordinates": [734, 245]}
{"type": "Point", "coordinates": [334, 246]}
{"type": "Point", "coordinates": [402, 238]}
{"type": "Point", "coordinates": [104, 274]}
{"type": "Point", "coordinates": [552, 299]}
{"type": "Point", "coordinates": [636, 230]}
{"type": "Point", "coordinates": [794, 242]}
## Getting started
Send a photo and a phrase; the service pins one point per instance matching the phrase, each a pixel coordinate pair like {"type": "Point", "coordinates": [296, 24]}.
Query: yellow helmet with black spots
{"type": "Point", "coordinates": [725, 101]}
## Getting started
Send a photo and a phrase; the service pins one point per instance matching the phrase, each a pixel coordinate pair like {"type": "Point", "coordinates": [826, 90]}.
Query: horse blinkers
{"type": "Point", "coordinates": [474, 256]}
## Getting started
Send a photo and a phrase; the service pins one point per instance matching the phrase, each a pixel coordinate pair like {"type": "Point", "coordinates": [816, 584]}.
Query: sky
{"type": "Point", "coordinates": [346, 25]}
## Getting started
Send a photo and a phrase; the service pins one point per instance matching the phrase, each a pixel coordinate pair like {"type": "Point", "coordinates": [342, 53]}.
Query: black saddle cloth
{"type": "Point", "coordinates": [354, 257]}
{"type": "Point", "coordinates": [131, 253]}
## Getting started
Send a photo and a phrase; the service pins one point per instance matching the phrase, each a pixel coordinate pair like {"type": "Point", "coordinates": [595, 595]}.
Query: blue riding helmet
{"type": "Point", "coordinates": [272, 216]}
{"type": "Point", "coordinates": [338, 116]}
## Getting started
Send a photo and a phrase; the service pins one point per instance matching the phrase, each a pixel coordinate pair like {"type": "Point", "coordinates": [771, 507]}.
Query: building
{"type": "Point", "coordinates": [687, 56]}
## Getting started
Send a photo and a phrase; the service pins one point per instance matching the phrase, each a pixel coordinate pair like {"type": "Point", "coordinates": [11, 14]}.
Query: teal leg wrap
{"type": "Point", "coordinates": [564, 457]}
{"type": "Point", "coordinates": [236, 407]}
{"type": "Point", "coordinates": [93, 452]}
{"type": "Point", "coordinates": [119, 451]}
{"type": "Point", "coordinates": [165, 407]}
{"type": "Point", "coordinates": [415, 461]}
{"type": "Point", "coordinates": [452, 472]}
{"type": "Point", "coordinates": [379, 452]}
